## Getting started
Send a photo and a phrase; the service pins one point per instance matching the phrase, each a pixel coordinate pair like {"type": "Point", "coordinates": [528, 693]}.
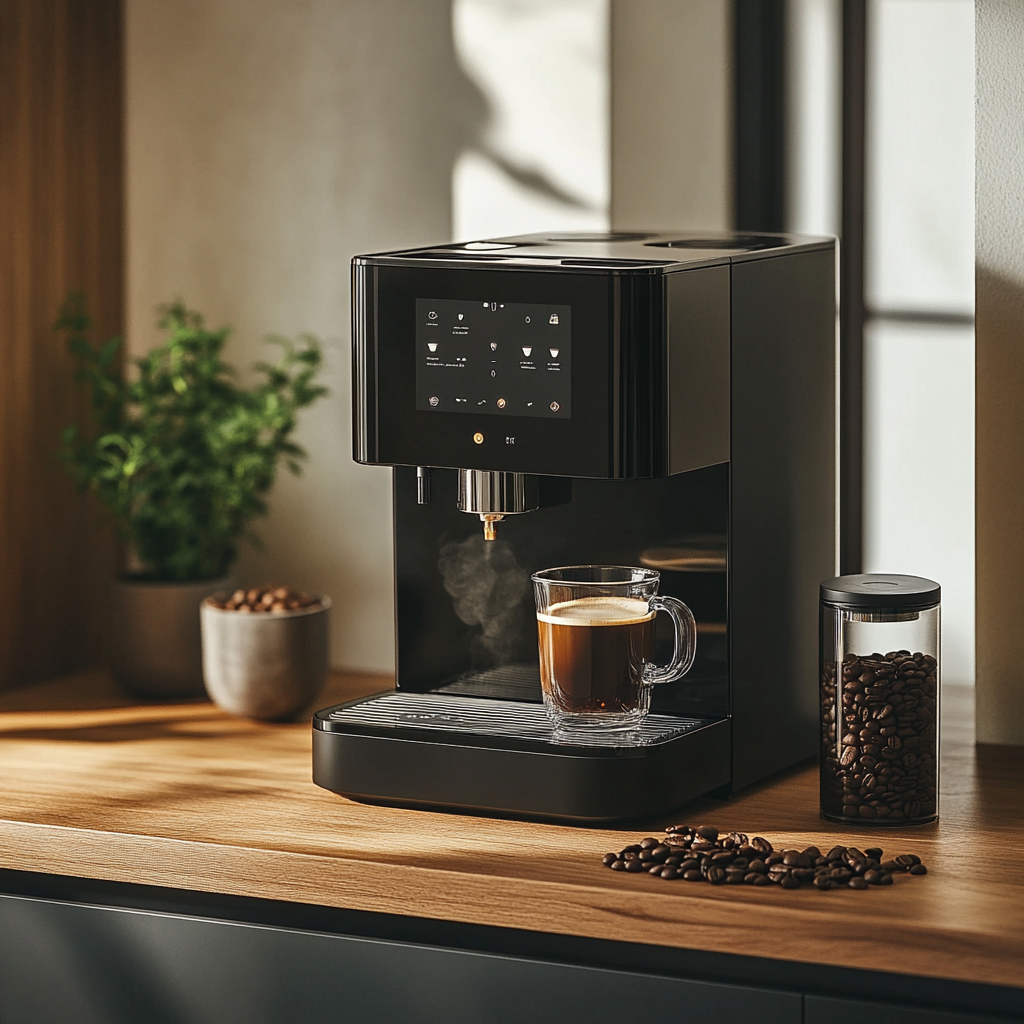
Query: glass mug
{"type": "Point", "coordinates": [595, 627]}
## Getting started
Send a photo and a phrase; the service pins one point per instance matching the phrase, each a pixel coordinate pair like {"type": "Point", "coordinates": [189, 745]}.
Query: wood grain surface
{"type": "Point", "coordinates": [60, 231]}
{"type": "Point", "coordinates": [183, 795]}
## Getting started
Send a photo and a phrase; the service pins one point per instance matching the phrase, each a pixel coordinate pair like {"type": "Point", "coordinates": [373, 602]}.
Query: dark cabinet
{"type": "Point", "coordinates": [96, 965]}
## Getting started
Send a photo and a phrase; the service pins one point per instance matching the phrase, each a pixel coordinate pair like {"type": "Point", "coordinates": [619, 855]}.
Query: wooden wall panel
{"type": "Point", "coordinates": [60, 230]}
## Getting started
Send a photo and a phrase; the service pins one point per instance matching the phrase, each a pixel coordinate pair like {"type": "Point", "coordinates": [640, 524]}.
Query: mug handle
{"type": "Point", "coordinates": [685, 627]}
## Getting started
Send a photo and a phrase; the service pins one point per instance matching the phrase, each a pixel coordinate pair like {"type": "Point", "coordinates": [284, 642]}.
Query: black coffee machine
{"type": "Point", "coordinates": [660, 400]}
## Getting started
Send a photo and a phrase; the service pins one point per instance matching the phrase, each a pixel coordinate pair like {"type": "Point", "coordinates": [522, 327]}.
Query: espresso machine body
{"type": "Point", "coordinates": [663, 400]}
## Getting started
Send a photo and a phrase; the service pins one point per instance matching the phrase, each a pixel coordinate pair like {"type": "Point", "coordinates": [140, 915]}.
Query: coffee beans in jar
{"type": "Point", "coordinates": [879, 711]}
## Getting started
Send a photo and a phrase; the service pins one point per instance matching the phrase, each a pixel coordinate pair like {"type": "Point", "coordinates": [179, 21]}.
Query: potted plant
{"type": "Point", "coordinates": [183, 457]}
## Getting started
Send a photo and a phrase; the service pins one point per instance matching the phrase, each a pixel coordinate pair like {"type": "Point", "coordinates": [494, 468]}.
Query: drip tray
{"type": "Point", "coordinates": [445, 751]}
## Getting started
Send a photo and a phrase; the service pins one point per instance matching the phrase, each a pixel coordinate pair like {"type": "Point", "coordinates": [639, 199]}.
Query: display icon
{"type": "Point", "coordinates": [554, 353]}
{"type": "Point", "coordinates": [527, 319]}
{"type": "Point", "coordinates": [478, 438]}
{"type": "Point", "coordinates": [434, 400]}
{"type": "Point", "coordinates": [432, 315]}
{"type": "Point", "coordinates": [494, 346]}
{"type": "Point", "coordinates": [554, 407]}
{"type": "Point", "coordinates": [460, 316]}
{"type": "Point", "coordinates": [432, 345]}
{"type": "Point", "coordinates": [494, 373]}
{"type": "Point", "coordinates": [500, 403]}
{"type": "Point", "coordinates": [553, 319]}
{"type": "Point", "coordinates": [527, 349]}
{"type": "Point", "coordinates": [457, 400]}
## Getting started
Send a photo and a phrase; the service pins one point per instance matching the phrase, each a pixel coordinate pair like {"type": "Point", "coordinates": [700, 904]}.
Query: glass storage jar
{"type": "Point", "coordinates": [880, 699]}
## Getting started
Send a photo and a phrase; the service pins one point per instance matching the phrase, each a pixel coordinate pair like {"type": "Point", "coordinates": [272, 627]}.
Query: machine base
{"type": "Point", "coordinates": [481, 756]}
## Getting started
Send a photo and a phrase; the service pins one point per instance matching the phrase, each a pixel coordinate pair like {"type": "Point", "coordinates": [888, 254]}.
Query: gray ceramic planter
{"type": "Point", "coordinates": [267, 665]}
{"type": "Point", "coordinates": [155, 649]}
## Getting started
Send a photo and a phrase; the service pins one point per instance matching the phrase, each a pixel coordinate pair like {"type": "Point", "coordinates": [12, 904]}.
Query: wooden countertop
{"type": "Point", "coordinates": [94, 785]}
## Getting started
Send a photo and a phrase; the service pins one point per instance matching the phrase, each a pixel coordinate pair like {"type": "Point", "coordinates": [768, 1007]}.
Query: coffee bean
{"type": "Point", "coordinates": [681, 830]}
{"type": "Point", "coordinates": [761, 845]}
{"type": "Point", "coordinates": [609, 859]}
{"type": "Point", "coordinates": [708, 832]}
{"type": "Point", "coordinates": [872, 877]}
{"type": "Point", "coordinates": [857, 883]}
{"type": "Point", "coordinates": [919, 869]}
{"type": "Point", "coordinates": [619, 865]}
{"type": "Point", "coordinates": [649, 843]}
{"type": "Point", "coordinates": [873, 852]}
{"type": "Point", "coordinates": [716, 875]}
{"type": "Point", "coordinates": [668, 873]}
{"type": "Point", "coordinates": [907, 860]}
{"type": "Point", "coordinates": [823, 882]}
{"type": "Point", "coordinates": [692, 876]}
{"type": "Point", "coordinates": [635, 865]}
{"type": "Point", "coordinates": [790, 882]}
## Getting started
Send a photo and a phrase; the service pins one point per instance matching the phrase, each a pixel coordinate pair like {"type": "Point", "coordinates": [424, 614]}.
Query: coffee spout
{"type": "Point", "coordinates": [493, 495]}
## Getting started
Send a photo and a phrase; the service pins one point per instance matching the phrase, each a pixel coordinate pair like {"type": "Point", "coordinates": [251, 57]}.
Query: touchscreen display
{"type": "Point", "coordinates": [495, 358]}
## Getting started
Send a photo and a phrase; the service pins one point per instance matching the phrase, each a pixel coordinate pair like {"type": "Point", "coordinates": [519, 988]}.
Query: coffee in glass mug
{"type": "Point", "coordinates": [595, 628]}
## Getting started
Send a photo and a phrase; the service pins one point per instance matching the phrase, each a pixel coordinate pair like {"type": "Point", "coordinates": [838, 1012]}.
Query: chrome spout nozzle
{"type": "Point", "coordinates": [492, 496]}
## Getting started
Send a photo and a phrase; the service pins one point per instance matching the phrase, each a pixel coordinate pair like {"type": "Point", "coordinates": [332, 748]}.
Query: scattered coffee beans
{"type": "Point", "coordinates": [879, 739]}
{"type": "Point", "coordinates": [266, 599]}
{"type": "Point", "coordinates": [704, 855]}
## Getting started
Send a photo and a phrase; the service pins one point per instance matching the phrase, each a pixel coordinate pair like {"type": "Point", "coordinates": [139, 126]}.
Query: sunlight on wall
{"type": "Point", "coordinates": [542, 159]}
{"type": "Point", "coordinates": [919, 377]}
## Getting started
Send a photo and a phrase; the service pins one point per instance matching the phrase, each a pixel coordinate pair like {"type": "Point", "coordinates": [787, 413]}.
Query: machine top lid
{"type": "Point", "coordinates": [608, 252]}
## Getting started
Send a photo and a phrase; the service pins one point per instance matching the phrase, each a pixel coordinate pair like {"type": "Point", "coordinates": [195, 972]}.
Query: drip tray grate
{"type": "Point", "coordinates": [480, 716]}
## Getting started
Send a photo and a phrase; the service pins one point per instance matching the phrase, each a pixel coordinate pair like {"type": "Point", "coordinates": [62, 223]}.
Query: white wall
{"type": "Point", "coordinates": [919, 377]}
{"type": "Point", "coordinates": [542, 160]}
{"type": "Point", "coordinates": [671, 99]}
{"type": "Point", "coordinates": [1000, 370]}
{"type": "Point", "coordinates": [267, 142]}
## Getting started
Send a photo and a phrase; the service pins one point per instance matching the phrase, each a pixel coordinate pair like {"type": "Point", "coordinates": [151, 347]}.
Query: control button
{"type": "Point", "coordinates": [432, 345]}
{"type": "Point", "coordinates": [553, 319]}
{"type": "Point", "coordinates": [527, 349]}
{"type": "Point", "coordinates": [434, 399]}
{"type": "Point", "coordinates": [461, 315]}
{"type": "Point", "coordinates": [554, 407]}
{"type": "Point", "coordinates": [527, 319]}
{"type": "Point", "coordinates": [457, 400]}
{"type": "Point", "coordinates": [432, 315]}
{"type": "Point", "coordinates": [501, 403]}
{"type": "Point", "coordinates": [554, 353]}
{"type": "Point", "coordinates": [494, 346]}
{"type": "Point", "coordinates": [478, 438]}
{"type": "Point", "coordinates": [494, 373]}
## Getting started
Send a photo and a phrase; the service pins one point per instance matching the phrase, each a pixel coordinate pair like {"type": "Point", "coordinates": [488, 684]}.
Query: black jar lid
{"type": "Point", "coordinates": [873, 591]}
